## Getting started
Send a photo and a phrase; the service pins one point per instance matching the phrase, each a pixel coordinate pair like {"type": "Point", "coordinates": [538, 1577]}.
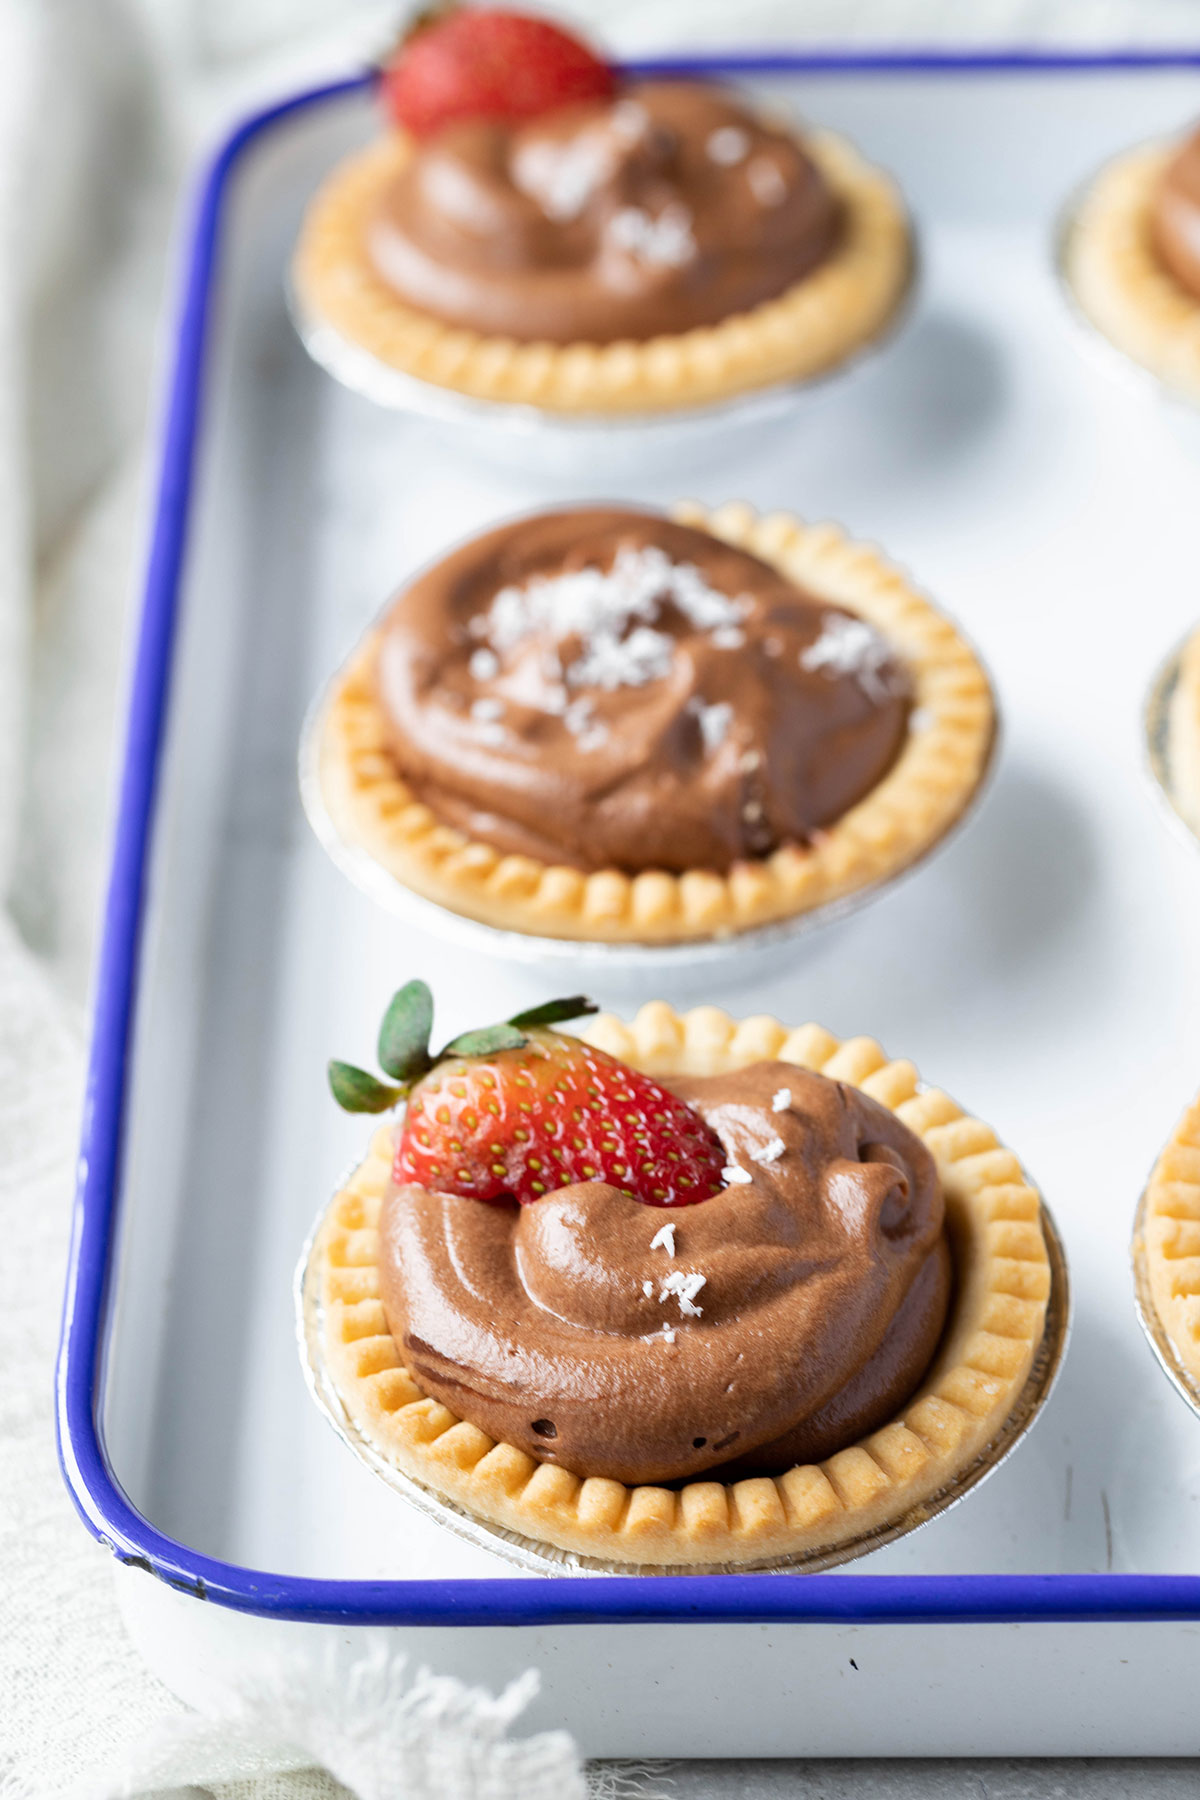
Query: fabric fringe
{"type": "Point", "coordinates": [630, 1781]}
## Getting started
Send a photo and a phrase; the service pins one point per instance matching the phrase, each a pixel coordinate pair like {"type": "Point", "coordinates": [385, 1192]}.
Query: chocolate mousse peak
{"type": "Point", "coordinates": [1175, 217]}
{"type": "Point", "coordinates": [669, 207]}
{"type": "Point", "coordinates": [604, 688]}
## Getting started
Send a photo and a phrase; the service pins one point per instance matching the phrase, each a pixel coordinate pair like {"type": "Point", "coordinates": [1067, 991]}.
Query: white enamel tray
{"type": "Point", "coordinates": [1045, 970]}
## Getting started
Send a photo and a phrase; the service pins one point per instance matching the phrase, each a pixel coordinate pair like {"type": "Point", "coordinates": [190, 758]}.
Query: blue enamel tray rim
{"type": "Point", "coordinates": [105, 1508]}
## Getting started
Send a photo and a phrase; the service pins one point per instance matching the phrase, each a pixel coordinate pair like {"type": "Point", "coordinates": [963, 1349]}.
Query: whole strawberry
{"type": "Point", "coordinates": [516, 1110]}
{"type": "Point", "coordinates": [485, 63]}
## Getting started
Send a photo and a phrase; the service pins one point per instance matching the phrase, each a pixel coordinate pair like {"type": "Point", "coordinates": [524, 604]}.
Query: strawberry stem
{"type": "Point", "coordinates": [404, 1046]}
{"type": "Point", "coordinates": [357, 1092]}
{"type": "Point", "coordinates": [553, 1012]}
{"type": "Point", "coordinates": [485, 1042]}
{"type": "Point", "coordinates": [404, 1034]}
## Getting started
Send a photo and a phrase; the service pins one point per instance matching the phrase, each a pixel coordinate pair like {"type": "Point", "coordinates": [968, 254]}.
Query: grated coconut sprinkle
{"type": "Point", "coordinates": [612, 615]}
{"type": "Point", "coordinates": [728, 145]}
{"type": "Point", "coordinates": [685, 1287]}
{"type": "Point", "coordinates": [851, 647]}
{"type": "Point", "coordinates": [664, 240]}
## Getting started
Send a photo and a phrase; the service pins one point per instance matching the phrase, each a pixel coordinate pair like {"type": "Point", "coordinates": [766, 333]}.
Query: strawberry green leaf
{"type": "Point", "coordinates": [486, 1042]}
{"type": "Point", "coordinates": [356, 1091]}
{"type": "Point", "coordinates": [404, 1034]}
{"type": "Point", "coordinates": [553, 1012]}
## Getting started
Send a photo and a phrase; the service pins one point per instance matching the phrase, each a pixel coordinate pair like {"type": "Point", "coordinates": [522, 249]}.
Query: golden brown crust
{"type": "Point", "coordinates": [1183, 749]}
{"type": "Point", "coordinates": [1119, 280]}
{"type": "Point", "coordinates": [839, 307]}
{"type": "Point", "coordinates": [924, 792]}
{"type": "Point", "coordinates": [1171, 1240]}
{"type": "Point", "coordinates": [996, 1325]}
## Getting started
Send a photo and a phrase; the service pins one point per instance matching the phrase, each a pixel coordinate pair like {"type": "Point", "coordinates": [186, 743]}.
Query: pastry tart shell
{"type": "Point", "coordinates": [840, 307]}
{"type": "Point", "coordinates": [1117, 279]}
{"type": "Point", "coordinates": [993, 1370]}
{"type": "Point", "coordinates": [1166, 1256]}
{"type": "Point", "coordinates": [368, 808]}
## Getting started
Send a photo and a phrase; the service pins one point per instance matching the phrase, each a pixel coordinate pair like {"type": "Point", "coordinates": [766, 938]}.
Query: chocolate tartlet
{"type": "Point", "coordinates": [663, 248]}
{"type": "Point", "coordinates": [605, 724]}
{"type": "Point", "coordinates": [1132, 258]}
{"type": "Point", "coordinates": [798, 1362]}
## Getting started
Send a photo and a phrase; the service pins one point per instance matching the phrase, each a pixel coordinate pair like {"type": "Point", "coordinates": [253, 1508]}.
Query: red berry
{"type": "Point", "coordinates": [521, 1122]}
{"type": "Point", "coordinates": [485, 63]}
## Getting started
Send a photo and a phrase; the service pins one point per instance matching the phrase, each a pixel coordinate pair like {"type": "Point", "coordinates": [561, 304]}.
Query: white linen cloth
{"type": "Point", "coordinates": [103, 104]}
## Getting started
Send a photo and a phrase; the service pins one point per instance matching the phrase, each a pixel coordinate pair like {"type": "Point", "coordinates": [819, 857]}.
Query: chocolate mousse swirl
{"type": "Point", "coordinates": [1175, 216]}
{"type": "Point", "coordinates": [669, 208]}
{"type": "Point", "coordinates": [773, 1324]}
{"type": "Point", "coordinates": [605, 688]}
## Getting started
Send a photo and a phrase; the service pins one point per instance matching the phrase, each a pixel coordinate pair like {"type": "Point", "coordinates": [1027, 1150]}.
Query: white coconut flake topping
{"type": "Point", "coordinates": [563, 177]}
{"type": "Point", "coordinates": [628, 120]}
{"type": "Point", "coordinates": [771, 1151]}
{"type": "Point", "coordinates": [732, 1175]}
{"type": "Point", "coordinates": [484, 665]}
{"type": "Point", "coordinates": [664, 1238]}
{"type": "Point", "coordinates": [766, 182]}
{"type": "Point", "coordinates": [714, 722]}
{"type": "Point", "coordinates": [781, 1099]}
{"type": "Point", "coordinates": [612, 662]}
{"type": "Point", "coordinates": [664, 239]}
{"type": "Point", "coordinates": [552, 699]}
{"type": "Point", "coordinates": [611, 615]}
{"type": "Point", "coordinates": [668, 1332]}
{"type": "Point", "coordinates": [594, 738]}
{"type": "Point", "coordinates": [487, 712]}
{"type": "Point", "coordinates": [589, 732]}
{"type": "Point", "coordinates": [647, 1288]}
{"type": "Point", "coordinates": [685, 1287]}
{"type": "Point", "coordinates": [850, 647]}
{"type": "Point", "coordinates": [728, 145]}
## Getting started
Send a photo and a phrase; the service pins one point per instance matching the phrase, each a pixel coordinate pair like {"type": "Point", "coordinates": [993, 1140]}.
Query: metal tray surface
{"type": "Point", "coordinates": [1042, 969]}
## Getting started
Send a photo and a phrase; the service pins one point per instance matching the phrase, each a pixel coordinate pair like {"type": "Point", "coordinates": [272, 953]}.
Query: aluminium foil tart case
{"type": "Point", "coordinates": [1043, 970]}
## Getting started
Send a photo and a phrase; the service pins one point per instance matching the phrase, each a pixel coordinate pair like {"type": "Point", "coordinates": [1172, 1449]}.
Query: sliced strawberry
{"type": "Point", "coordinates": [524, 1121]}
{"type": "Point", "coordinates": [484, 63]}
{"type": "Point", "coordinates": [517, 1110]}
